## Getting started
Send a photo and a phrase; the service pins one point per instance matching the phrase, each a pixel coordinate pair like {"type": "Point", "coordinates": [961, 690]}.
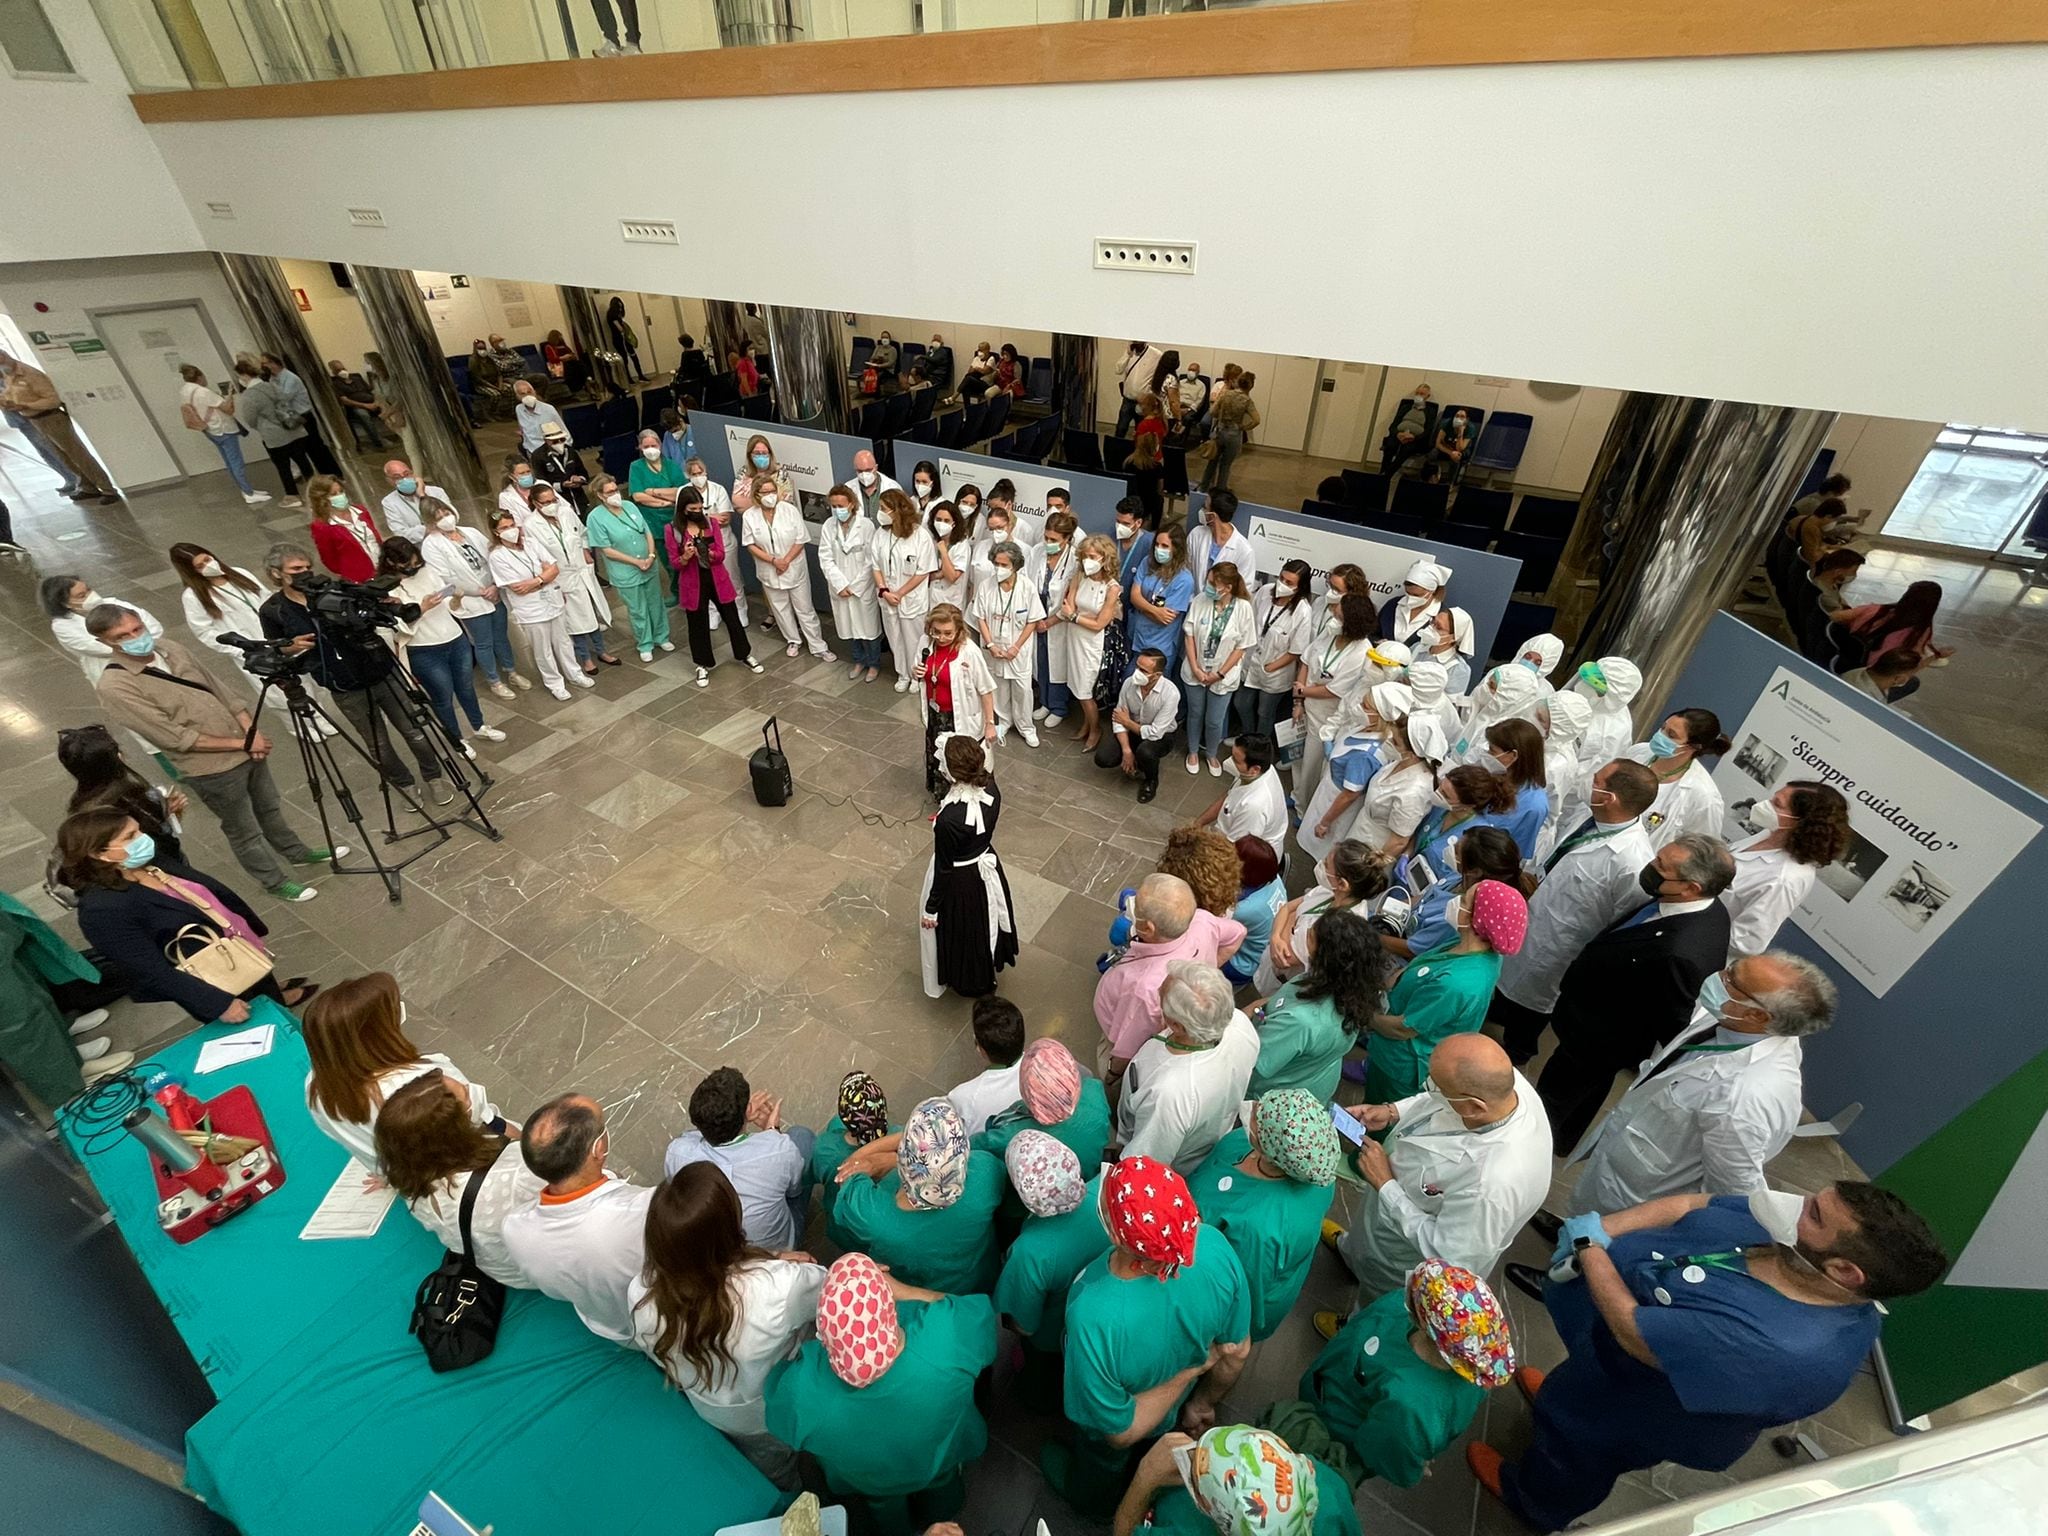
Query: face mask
{"type": "Point", "coordinates": [1459, 419]}
{"type": "Point", "coordinates": [760, 461]}
{"type": "Point", "coordinates": [139, 645]}
{"type": "Point", "coordinates": [1147, 679]}
{"type": "Point", "coordinates": [1661, 745]}
{"type": "Point", "coordinates": [209, 567]}
{"type": "Point", "coordinates": [1532, 664]}
{"type": "Point", "coordinates": [842, 513]}
{"type": "Point", "coordinates": [1651, 879]}
{"type": "Point", "coordinates": [700, 481]}
{"type": "Point", "coordinates": [1764, 817]}
{"type": "Point", "coordinates": [1493, 765]}
{"type": "Point", "coordinates": [924, 487]}
{"type": "Point", "coordinates": [525, 401]}
{"type": "Point", "coordinates": [1218, 597]}
{"type": "Point", "coordinates": [1285, 589]}
{"type": "Point", "coordinates": [1054, 548]}
{"type": "Point", "coordinates": [997, 534]}
{"type": "Point", "coordinates": [545, 508]}
{"type": "Point", "coordinates": [1161, 554]}
{"type": "Point", "coordinates": [1600, 799]}
{"type": "Point", "coordinates": [867, 477]}
{"type": "Point", "coordinates": [407, 485]}
{"type": "Point", "coordinates": [91, 597]}
{"type": "Point", "coordinates": [942, 526]}
{"type": "Point", "coordinates": [141, 849]}
{"type": "Point", "coordinates": [651, 453]}
{"type": "Point", "coordinates": [1454, 913]}
{"type": "Point", "coordinates": [615, 501]}
{"type": "Point", "coordinates": [1125, 532]}
{"type": "Point", "coordinates": [510, 535]}
{"type": "Point", "coordinates": [970, 507]}
{"type": "Point", "coordinates": [1091, 566]}
{"type": "Point", "coordinates": [446, 522]}
{"type": "Point", "coordinates": [1714, 994]}
{"type": "Point", "coordinates": [770, 500]}
{"type": "Point", "coordinates": [339, 503]}
{"type": "Point", "coordinates": [1004, 573]}
{"type": "Point", "coordinates": [1444, 800]}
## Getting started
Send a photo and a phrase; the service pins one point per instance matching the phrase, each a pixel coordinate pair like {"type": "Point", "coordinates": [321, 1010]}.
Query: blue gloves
{"type": "Point", "coordinates": [1576, 1227]}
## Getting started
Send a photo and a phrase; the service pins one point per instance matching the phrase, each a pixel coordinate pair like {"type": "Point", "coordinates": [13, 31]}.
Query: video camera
{"type": "Point", "coordinates": [358, 606]}
{"type": "Point", "coordinates": [269, 660]}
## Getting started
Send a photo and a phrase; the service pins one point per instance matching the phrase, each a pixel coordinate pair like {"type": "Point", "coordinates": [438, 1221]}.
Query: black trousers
{"type": "Point", "coordinates": [294, 459]}
{"type": "Point", "coordinates": [698, 622]}
{"type": "Point", "coordinates": [1521, 1028]}
{"type": "Point", "coordinates": [1575, 1082]}
{"type": "Point", "coordinates": [323, 456]}
{"type": "Point", "coordinates": [1109, 753]}
{"type": "Point", "coordinates": [376, 714]}
{"type": "Point", "coordinates": [629, 9]}
{"type": "Point", "coordinates": [1394, 453]}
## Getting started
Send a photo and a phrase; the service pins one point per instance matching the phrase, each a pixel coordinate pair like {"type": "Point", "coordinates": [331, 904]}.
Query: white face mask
{"type": "Point", "coordinates": [651, 453]}
{"type": "Point", "coordinates": [1125, 532]}
{"type": "Point", "coordinates": [943, 527]}
{"type": "Point", "coordinates": [867, 477]}
{"type": "Point", "coordinates": [209, 567]}
{"type": "Point", "coordinates": [510, 536]}
{"type": "Point", "coordinates": [700, 481]}
{"type": "Point", "coordinates": [446, 522]}
{"type": "Point", "coordinates": [1764, 817]}
{"type": "Point", "coordinates": [1090, 566]}
{"type": "Point", "coordinates": [769, 500]}
{"type": "Point", "coordinates": [924, 487]}
{"type": "Point", "coordinates": [1284, 589]}
{"type": "Point", "coordinates": [615, 501]}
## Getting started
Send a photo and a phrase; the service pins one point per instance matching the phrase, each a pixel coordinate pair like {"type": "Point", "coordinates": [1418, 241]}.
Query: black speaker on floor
{"type": "Point", "coordinates": [773, 784]}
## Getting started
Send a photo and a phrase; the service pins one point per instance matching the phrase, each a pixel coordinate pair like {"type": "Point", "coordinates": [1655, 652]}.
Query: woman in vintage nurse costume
{"type": "Point", "coordinates": [968, 931]}
{"type": "Point", "coordinates": [959, 690]}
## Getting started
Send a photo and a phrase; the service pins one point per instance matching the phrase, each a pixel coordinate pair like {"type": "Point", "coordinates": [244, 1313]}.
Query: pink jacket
{"type": "Point", "coordinates": [687, 571]}
{"type": "Point", "coordinates": [1127, 997]}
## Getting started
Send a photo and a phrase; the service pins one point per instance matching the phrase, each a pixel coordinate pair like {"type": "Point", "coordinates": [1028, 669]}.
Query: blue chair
{"type": "Point", "coordinates": [616, 455]}
{"type": "Point", "coordinates": [896, 411]}
{"type": "Point", "coordinates": [952, 428]}
{"type": "Point", "coordinates": [1475, 418]}
{"type": "Point", "coordinates": [1405, 524]}
{"type": "Point", "coordinates": [858, 360]}
{"type": "Point", "coordinates": [1334, 511]}
{"type": "Point", "coordinates": [1365, 488]}
{"type": "Point", "coordinates": [1548, 517]}
{"type": "Point", "coordinates": [531, 354]}
{"type": "Point", "coordinates": [1539, 559]}
{"type": "Point", "coordinates": [1174, 461]}
{"type": "Point", "coordinates": [1464, 535]}
{"type": "Point", "coordinates": [1038, 389]}
{"type": "Point", "coordinates": [721, 390]}
{"type": "Point", "coordinates": [583, 423]}
{"type": "Point", "coordinates": [910, 351]}
{"type": "Point", "coordinates": [1004, 447]}
{"type": "Point", "coordinates": [995, 413]}
{"type": "Point", "coordinates": [760, 408]}
{"type": "Point", "coordinates": [1114, 451]}
{"type": "Point", "coordinates": [923, 405]}
{"type": "Point", "coordinates": [865, 419]}
{"type": "Point", "coordinates": [1520, 622]}
{"type": "Point", "coordinates": [1477, 508]}
{"type": "Point", "coordinates": [926, 431]}
{"type": "Point", "coordinates": [1419, 499]}
{"type": "Point", "coordinates": [1501, 443]}
{"type": "Point", "coordinates": [616, 416]}
{"type": "Point", "coordinates": [1081, 450]}
{"type": "Point", "coordinates": [653, 402]}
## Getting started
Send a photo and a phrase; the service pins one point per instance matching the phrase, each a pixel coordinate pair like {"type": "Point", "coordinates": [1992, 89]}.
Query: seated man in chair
{"type": "Point", "coordinates": [1412, 432]}
{"type": "Point", "coordinates": [1453, 448]}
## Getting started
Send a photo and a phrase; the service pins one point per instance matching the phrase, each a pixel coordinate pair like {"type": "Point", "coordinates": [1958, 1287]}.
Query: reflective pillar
{"type": "Point", "coordinates": [587, 330]}
{"type": "Point", "coordinates": [266, 302]}
{"type": "Point", "coordinates": [724, 329]}
{"type": "Point", "coordinates": [437, 439]}
{"type": "Point", "coordinates": [1073, 371]}
{"type": "Point", "coordinates": [810, 374]}
{"type": "Point", "coordinates": [748, 23]}
{"type": "Point", "coordinates": [1685, 494]}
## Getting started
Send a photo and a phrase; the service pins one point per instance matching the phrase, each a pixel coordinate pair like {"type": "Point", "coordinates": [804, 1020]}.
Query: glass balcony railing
{"type": "Point", "coordinates": [174, 45]}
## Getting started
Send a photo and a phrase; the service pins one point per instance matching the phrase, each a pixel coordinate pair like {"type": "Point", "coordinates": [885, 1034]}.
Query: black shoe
{"type": "Point", "coordinates": [1527, 1279]}
{"type": "Point", "coordinates": [1147, 793]}
{"type": "Point", "coordinates": [1546, 1226]}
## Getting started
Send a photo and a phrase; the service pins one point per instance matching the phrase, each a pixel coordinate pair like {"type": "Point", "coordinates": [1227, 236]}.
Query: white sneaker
{"type": "Point", "coordinates": [583, 681]}
{"type": "Point", "coordinates": [291, 501]}
{"type": "Point", "coordinates": [467, 750]}
{"type": "Point", "coordinates": [605, 51]}
{"type": "Point", "coordinates": [1029, 734]}
{"type": "Point", "coordinates": [792, 652]}
{"type": "Point", "coordinates": [90, 1050]}
{"type": "Point", "coordinates": [560, 693]}
{"type": "Point", "coordinates": [902, 685]}
{"type": "Point", "coordinates": [1054, 722]}
{"type": "Point", "coordinates": [1194, 763]}
{"type": "Point", "coordinates": [86, 1023]}
{"type": "Point", "coordinates": [502, 691]}
{"type": "Point", "coordinates": [826, 655]}
{"type": "Point", "coordinates": [666, 645]}
{"type": "Point", "coordinates": [647, 655]}
{"type": "Point", "coordinates": [490, 733]}
{"type": "Point", "coordinates": [1215, 769]}
{"type": "Point", "coordinates": [704, 677]}
{"type": "Point", "coordinates": [716, 622]}
{"type": "Point", "coordinates": [854, 670]}
{"type": "Point", "coordinates": [519, 682]}
{"type": "Point", "coordinates": [755, 666]}
{"type": "Point", "coordinates": [107, 1066]}
{"type": "Point", "coordinates": [257, 498]}
{"type": "Point", "coordinates": [1040, 713]}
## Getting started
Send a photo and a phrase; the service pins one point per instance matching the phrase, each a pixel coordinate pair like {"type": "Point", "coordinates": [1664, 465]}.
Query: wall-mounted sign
{"type": "Point", "coordinates": [305, 302]}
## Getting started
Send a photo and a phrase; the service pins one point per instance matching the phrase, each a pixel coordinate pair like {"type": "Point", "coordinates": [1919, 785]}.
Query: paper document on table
{"type": "Point", "coordinates": [348, 1210]}
{"type": "Point", "coordinates": [233, 1050]}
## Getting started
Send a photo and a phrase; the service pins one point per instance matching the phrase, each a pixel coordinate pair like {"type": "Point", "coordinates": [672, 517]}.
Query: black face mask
{"type": "Point", "coordinates": [1651, 879]}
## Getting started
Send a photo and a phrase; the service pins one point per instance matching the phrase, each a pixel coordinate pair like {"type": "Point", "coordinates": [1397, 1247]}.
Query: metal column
{"type": "Point", "coordinates": [810, 373]}
{"type": "Point", "coordinates": [266, 302]}
{"type": "Point", "coordinates": [593, 340]}
{"type": "Point", "coordinates": [1073, 372]}
{"type": "Point", "coordinates": [724, 329]}
{"type": "Point", "coordinates": [1685, 495]}
{"type": "Point", "coordinates": [437, 440]}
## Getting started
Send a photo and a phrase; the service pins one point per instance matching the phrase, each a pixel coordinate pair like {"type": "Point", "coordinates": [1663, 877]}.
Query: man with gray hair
{"type": "Point", "coordinates": [1183, 1087]}
{"type": "Point", "coordinates": [1633, 987]}
{"type": "Point", "coordinates": [583, 1241]}
{"type": "Point", "coordinates": [1166, 925]}
{"type": "Point", "coordinates": [1708, 1110]}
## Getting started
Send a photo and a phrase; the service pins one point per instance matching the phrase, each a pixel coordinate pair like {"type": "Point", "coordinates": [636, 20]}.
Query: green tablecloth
{"type": "Point", "coordinates": [329, 1419]}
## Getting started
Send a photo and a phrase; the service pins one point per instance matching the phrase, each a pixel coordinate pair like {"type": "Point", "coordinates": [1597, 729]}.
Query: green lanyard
{"type": "Point", "coordinates": [1330, 656]}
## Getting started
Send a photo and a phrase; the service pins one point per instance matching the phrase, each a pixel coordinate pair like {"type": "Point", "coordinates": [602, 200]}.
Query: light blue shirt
{"type": "Point", "coordinates": [533, 421]}
{"type": "Point", "coordinates": [766, 1168]}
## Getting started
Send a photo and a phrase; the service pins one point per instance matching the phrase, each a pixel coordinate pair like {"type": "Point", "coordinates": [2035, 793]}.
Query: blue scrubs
{"type": "Point", "coordinates": [1738, 1358]}
{"type": "Point", "coordinates": [1432, 923]}
{"type": "Point", "coordinates": [1433, 843]}
{"type": "Point", "coordinates": [1147, 632]}
{"type": "Point", "coordinates": [1525, 821]}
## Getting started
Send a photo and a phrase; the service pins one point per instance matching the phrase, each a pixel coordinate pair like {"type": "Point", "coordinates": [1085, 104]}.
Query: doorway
{"type": "Point", "coordinates": [1974, 491]}
{"type": "Point", "coordinates": [150, 342]}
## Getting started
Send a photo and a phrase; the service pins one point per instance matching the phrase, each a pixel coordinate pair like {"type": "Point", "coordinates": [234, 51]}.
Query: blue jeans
{"type": "Point", "coordinates": [230, 448]}
{"type": "Point", "coordinates": [492, 637]}
{"type": "Point", "coordinates": [1254, 712]}
{"type": "Point", "coordinates": [588, 647]}
{"type": "Point", "coordinates": [805, 1139]}
{"type": "Point", "coordinates": [1208, 719]}
{"type": "Point", "coordinates": [865, 653]}
{"type": "Point", "coordinates": [444, 671]}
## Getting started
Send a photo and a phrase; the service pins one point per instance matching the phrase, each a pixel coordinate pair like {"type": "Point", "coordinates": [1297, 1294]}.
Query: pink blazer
{"type": "Point", "coordinates": [687, 571]}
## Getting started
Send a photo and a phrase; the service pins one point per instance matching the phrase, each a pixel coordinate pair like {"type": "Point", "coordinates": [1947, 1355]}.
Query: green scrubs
{"type": "Point", "coordinates": [1302, 1043]}
{"type": "Point", "coordinates": [643, 476]}
{"type": "Point", "coordinates": [1273, 1226]}
{"type": "Point", "coordinates": [1439, 995]}
{"type": "Point", "coordinates": [1085, 1132]}
{"type": "Point", "coordinates": [911, 1430]}
{"type": "Point", "coordinates": [1049, 1252]}
{"type": "Point", "coordinates": [832, 1149]}
{"type": "Point", "coordinates": [625, 532]}
{"type": "Point", "coordinates": [951, 1250]}
{"type": "Point", "coordinates": [1388, 1412]}
{"type": "Point", "coordinates": [35, 1042]}
{"type": "Point", "coordinates": [1175, 1512]}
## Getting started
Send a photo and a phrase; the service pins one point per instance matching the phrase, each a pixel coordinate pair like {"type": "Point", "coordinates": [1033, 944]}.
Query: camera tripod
{"type": "Point", "coordinates": [323, 767]}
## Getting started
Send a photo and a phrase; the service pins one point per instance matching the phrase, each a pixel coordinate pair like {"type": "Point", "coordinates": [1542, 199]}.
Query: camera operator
{"type": "Point", "coordinates": [357, 672]}
{"type": "Point", "coordinates": [154, 689]}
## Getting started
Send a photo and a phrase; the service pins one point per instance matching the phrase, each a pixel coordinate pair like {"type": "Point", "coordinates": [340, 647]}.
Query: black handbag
{"type": "Point", "coordinates": [458, 1308]}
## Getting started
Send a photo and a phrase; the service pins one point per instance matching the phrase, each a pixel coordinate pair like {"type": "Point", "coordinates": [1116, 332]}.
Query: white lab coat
{"type": "Point", "coordinates": [1707, 1123]}
{"type": "Point", "coordinates": [1608, 734]}
{"type": "Point", "coordinates": [1238, 634]}
{"type": "Point", "coordinates": [509, 565]}
{"type": "Point", "coordinates": [846, 559]}
{"type": "Point", "coordinates": [1689, 803]}
{"type": "Point", "coordinates": [1204, 551]}
{"type": "Point", "coordinates": [1177, 1104]}
{"type": "Point", "coordinates": [1277, 632]}
{"type": "Point", "coordinates": [359, 1137]}
{"type": "Point", "coordinates": [1257, 809]}
{"type": "Point", "coordinates": [1347, 670]}
{"type": "Point", "coordinates": [239, 614]}
{"type": "Point", "coordinates": [448, 562]}
{"type": "Point", "coordinates": [1457, 1194]}
{"type": "Point", "coordinates": [1008, 615]}
{"type": "Point", "coordinates": [1570, 794]}
{"type": "Point", "coordinates": [562, 542]}
{"type": "Point", "coordinates": [970, 678]}
{"type": "Point", "coordinates": [718, 509]}
{"type": "Point", "coordinates": [586, 1251]}
{"type": "Point", "coordinates": [899, 560]}
{"type": "Point", "coordinates": [1769, 885]}
{"type": "Point", "coordinates": [982, 574]}
{"type": "Point", "coordinates": [776, 532]}
{"type": "Point", "coordinates": [1394, 803]}
{"type": "Point", "coordinates": [775, 1310]}
{"type": "Point", "coordinates": [954, 591]}
{"type": "Point", "coordinates": [1346, 745]}
{"type": "Point", "coordinates": [1591, 888]}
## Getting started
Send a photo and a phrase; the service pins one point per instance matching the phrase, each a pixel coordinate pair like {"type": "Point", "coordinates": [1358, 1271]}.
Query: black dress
{"type": "Point", "coordinates": [958, 953]}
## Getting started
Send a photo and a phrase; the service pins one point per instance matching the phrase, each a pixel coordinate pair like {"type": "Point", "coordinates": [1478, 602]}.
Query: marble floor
{"type": "Point", "coordinates": [642, 920]}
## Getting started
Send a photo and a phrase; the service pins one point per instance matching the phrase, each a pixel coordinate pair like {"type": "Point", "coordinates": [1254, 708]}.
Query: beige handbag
{"type": "Point", "coordinates": [224, 960]}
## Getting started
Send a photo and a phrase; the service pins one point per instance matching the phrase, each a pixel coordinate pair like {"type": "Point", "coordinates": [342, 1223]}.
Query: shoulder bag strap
{"type": "Point", "coordinates": [469, 1193]}
{"type": "Point", "coordinates": [171, 677]}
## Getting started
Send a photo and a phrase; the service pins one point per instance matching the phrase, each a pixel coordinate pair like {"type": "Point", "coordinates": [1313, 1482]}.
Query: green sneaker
{"type": "Point", "coordinates": [322, 855]}
{"type": "Point", "coordinates": [292, 891]}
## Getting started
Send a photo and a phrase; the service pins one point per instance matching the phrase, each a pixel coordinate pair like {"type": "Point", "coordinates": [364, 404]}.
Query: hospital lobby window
{"type": "Point", "coordinates": [1975, 490]}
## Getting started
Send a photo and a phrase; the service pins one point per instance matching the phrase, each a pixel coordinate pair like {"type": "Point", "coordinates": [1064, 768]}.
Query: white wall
{"type": "Point", "coordinates": [1880, 455]}
{"type": "Point", "coordinates": [92, 383]}
{"type": "Point", "coordinates": [1781, 229]}
{"type": "Point", "coordinates": [1566, 424]}
{"type": "Point", "coordinates": [335, 321]}
{"type": "Point", "coordinates": [79, 175]}
{"type": "Point", "coordinates": [521, 311]}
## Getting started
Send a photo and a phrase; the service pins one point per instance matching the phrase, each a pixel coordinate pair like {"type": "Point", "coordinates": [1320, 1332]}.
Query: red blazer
{"type": "Point", "coordinates": [687, 571]}
{"type": "Point", "coordinates": [341, 551]}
